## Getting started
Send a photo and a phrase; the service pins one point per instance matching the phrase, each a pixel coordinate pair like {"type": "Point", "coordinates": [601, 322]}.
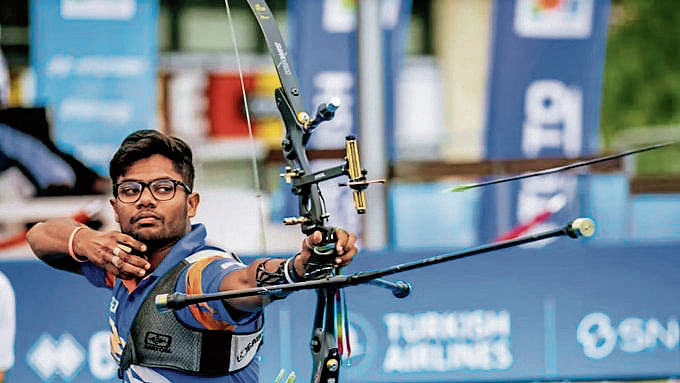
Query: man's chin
{"type": "Point", "coordinates": [149, 237]}
{"type": "Point", "coordinates": [146, 234]}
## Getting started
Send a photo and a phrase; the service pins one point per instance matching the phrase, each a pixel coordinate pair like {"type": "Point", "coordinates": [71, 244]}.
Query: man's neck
{"type": "Point", "coordinates": [156, 256]}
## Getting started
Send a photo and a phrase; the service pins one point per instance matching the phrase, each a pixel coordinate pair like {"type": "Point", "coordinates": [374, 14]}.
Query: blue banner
{"type": "Point", "coordinates": [95, 64]}
{"type": "Point", "coordinates": [571, 310]}
{"type": "Point", "coordinates": [324, 54]}
{"type": "Point", "coordinates": [543, 101]}
{"type": "Point", "coordinates": [396, 15]}
{"type": "Point", "coordinates": [545, 78]}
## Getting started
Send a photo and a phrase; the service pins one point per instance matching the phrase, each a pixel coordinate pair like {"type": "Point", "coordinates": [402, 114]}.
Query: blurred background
{"type": "Point", "coordinates": [440, 93]}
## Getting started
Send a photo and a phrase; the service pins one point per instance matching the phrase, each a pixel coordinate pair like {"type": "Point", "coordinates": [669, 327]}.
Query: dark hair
{"type": "Point", "coordinates": [145, 143]}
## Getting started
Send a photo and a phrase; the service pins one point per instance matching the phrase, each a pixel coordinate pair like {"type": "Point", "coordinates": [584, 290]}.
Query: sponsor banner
{"type": "Point", "coordinates": [62, 330]}
{"type": "Point", "coordinates": [545, 78]}
{"type": "Point", "coordinates": [395, 19]}
{"type": "Point", "coordinates": [568, 311]}
{"type": "Point", "coordinates": [324, 55]}
{"type": "Point", "coordinates": [543, 101]}
{"type": "Point", "coordinates": [95, 63]}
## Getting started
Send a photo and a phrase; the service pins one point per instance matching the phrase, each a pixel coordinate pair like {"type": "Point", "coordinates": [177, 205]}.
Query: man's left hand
{"type": "Point", "coordinates": [345, 248]}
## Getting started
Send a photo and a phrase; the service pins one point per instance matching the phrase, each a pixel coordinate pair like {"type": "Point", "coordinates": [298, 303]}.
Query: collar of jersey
{"type": "Point", "coordinates": [186, 246]}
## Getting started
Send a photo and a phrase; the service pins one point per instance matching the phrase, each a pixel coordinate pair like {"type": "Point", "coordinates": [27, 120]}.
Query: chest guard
{"type": "Point", "coordinates": [160, 340]}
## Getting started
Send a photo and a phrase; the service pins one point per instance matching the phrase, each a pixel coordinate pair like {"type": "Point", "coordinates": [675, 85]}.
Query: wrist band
{"type": "Point", "coordinates": [289, 271]}
{"type": "Point", "coordinates": [70, 245]}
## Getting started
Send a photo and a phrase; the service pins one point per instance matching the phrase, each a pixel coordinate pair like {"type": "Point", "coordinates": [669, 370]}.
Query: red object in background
{"type": "Point", "coordinates": [81, 216]}
{"type": "Point", "coordinates": [554, 205]}
{"type": "Point", "coordinates": [225, 104]}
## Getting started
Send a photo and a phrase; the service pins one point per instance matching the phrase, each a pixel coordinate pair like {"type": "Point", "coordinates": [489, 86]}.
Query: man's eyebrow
{"type": "Point", "coordinates": [148, 182]}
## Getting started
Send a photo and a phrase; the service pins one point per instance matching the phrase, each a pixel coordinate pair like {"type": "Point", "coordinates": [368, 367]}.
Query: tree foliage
{"type": "Point", "coordinates": [642, 68]}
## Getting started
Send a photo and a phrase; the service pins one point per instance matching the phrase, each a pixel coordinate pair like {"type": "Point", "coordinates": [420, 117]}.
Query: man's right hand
{"type": "Point", "coordinates": [113, 251]}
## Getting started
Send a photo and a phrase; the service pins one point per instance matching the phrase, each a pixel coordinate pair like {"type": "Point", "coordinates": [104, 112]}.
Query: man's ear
{"type": "Point", "coordinates": [113, 202]}
{"type": "Point", "coordinates": [192, 204]}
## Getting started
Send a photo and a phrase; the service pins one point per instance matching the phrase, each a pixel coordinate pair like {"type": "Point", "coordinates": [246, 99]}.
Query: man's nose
{"type": "Point", "coordinates": [146, 198]}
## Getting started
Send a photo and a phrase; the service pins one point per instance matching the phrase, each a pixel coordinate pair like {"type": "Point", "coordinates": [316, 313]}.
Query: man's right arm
{"type": "Point", "coordinates": [49, 241]}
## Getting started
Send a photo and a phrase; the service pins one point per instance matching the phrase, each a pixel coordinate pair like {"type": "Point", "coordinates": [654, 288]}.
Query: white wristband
{"type": "Point", "coordinates": [285, 271]}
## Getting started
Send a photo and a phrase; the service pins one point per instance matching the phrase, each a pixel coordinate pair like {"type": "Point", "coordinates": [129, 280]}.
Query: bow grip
{"type": "Point", "coordinates": [321, 263]}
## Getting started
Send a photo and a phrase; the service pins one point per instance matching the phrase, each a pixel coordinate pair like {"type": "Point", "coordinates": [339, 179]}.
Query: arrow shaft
{"type": "Point", "coordinates": [566, 167]}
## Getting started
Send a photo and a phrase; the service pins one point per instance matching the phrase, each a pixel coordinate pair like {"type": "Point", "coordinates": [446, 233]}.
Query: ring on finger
{"type": "Point", "coordinates": [126, 249]}
{"type": "Point", "coordinates": [115, 261]}
{"type": "Point", "coordinates": [116, 251]}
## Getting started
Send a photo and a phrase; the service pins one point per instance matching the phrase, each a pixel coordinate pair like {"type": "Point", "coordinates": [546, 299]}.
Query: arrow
{"type": "Point", "coordinates": [561, 168]}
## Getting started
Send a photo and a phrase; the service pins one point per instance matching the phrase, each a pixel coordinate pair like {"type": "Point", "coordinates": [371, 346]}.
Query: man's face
{"type": "Point", "coordinates": [149, 220]}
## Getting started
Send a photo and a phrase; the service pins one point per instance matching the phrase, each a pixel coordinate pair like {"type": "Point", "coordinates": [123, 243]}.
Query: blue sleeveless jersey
{"type": "Point", "coordinates": [202, 276]}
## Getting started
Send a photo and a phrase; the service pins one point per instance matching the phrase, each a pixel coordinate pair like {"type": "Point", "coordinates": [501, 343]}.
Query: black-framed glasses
{"type": "Point", "coordinates": [161, 190]}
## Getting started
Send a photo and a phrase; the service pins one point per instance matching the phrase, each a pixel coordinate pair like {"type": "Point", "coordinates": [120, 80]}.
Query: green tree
{"type": "Point", "coordinates": [642, 75]}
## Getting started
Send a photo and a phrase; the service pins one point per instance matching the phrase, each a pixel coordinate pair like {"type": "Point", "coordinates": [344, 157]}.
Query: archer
{"type": "Point", "coordinates": [158, 250]}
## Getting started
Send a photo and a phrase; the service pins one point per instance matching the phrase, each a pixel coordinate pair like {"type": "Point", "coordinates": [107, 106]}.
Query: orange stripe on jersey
{"type": "Point", "coordinates": [130, 284]}
{"type": "Point", "coordinates": [110, 280]}
{"type": "Point", "coordinates": [202, 312]}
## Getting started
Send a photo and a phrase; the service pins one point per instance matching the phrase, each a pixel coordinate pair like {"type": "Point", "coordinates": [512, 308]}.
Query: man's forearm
{"type": "Point", "coordinates": [265, 272]}
{"type": "Point", "coordinates": [49, 242]}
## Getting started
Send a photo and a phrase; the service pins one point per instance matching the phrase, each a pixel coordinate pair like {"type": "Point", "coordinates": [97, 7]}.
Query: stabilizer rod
{"type": "Point", "coordinates": [580, 227]}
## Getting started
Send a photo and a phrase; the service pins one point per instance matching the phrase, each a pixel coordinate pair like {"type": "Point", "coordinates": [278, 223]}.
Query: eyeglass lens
{"type": "Point", "coordinates": [162, 190]}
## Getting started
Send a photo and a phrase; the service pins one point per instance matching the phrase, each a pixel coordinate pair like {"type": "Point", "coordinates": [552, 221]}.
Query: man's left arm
{"type": "Point", "coordinates": [271, 271]}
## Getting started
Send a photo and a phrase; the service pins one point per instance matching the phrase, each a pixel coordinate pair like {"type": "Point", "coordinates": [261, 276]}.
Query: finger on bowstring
{"type": "Point", "coordinates": [110, 268]}
{"type": "Point", "coordinates": [131, 270]}
{"type": "Point", "coordinates": [123, 252]}
{"type": "Point", "coordinates": [132, 244]}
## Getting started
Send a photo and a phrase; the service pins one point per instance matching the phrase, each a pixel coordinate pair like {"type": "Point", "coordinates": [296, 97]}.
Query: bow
{"type": "Point", "coordinates": [304, 183]}
{"type": "Point", "coordinates": [313, 217]}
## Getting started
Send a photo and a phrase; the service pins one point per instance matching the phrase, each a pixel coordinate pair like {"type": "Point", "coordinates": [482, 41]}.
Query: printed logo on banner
{"type": "Point", "coordinates": [61, 66]}
{"type": "Point", "coordinates": [62, 357]}
{"type": "Point", "coordinates": [599, 338]}
{"type": "Point", "coordinates": [552, 118]}
{"type": "Point", "coordinates": [432, 341]}
{"type": "Point", "coordinates": [554, 19]}
{"type": "Point", "coordinates": [65, 357]}
{"type": "Point", "coordinates": [339, 16]}
{"type": "Point", "coordinates": [98, 9]}
{"type": "Point", "coordinates": [363, 342]}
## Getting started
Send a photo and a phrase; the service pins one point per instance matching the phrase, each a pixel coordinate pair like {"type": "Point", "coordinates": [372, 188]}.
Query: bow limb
{"type": "Point", "coordinates": [290, 103]}
{"type": "Point", "coordinates": [298, 170]}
